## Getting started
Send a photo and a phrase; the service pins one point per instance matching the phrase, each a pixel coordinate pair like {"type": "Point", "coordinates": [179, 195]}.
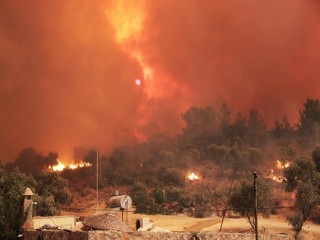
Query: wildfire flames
{"type": "Point", "coordinates": [280, 166]}
{"type": "Point", "coordinates": [128, 19]}
{"type": "Point", "coordinates": [276, 178]}
{"type": "Point", "coordinates": [192, 176]}
{"type": "Point", "coordinates": [61, 166]}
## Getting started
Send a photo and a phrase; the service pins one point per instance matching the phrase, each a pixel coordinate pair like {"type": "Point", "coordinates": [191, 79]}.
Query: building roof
{"type": "Point", "coordinates": [28, 192]}
{"type": "Point", "coordinates": [106, 221]}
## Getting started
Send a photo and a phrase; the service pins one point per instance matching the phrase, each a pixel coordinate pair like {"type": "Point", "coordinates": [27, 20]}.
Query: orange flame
{"type": "Point", "coordinates": [278, 179]}
{"type": "Point", "coordinates": [59, 167]}
{"type": "Point", "coordinates": [284, 165]}
{"type": "Point", "coordinates": [192, 176]}
{"type": "Point", "coordinates": [280, 166]}
{"type": "Point", "coordinates": [127, 18]}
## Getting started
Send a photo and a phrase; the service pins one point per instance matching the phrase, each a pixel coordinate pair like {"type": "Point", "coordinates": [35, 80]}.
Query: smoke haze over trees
{"type": "Point", "coordinates": [68, 69]}
{"type": "Point", "coordinates": [208, 135]}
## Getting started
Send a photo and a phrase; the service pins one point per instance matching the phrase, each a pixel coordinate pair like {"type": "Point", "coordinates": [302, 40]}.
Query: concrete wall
{"type": "Point", "coordinates": [106, 235]}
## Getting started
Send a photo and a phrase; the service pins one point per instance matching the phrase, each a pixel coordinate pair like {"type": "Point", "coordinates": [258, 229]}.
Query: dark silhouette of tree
{"type": "Point", "coordinates": [33, 162]}
{"type": "Point", "coordinates": [303, 178]}
{"type": "Point", "coordinates": [256, 134]}
{"type": "Point", "coordinates": [142, 201]}
{"type": "Point", "coordinates": [309, 125]}
{"type": "Point", "coordinates": [219, 153]}
{"type": "Point", "coordinates": [239, 128]}
{"type": "Point", "coordinates": [242, 199]}
{"type": "Point", "coordinates": [53, 192]}
{"type": "Point", "coordinates": [302, 169]}
{"type": "Point", "coordinates": [289, 150]}
{"type": "Point", "coordinates": [282, 128]}
{"type": "Point", "coordinates": [200, 130]}
{"type": "Point", "coordinates": [12, 186]}
{"type": "Point", "coordinates": [91, 156]}
{"type": "Point", "coordinates": [224, 121]}
{"type": "Point", "coordinates": [170, 177]}
{"type": "Point", "coordinates": [199, 120]}
{"type": "Point", "coordinates": [118, 158]}
{"type": "Point", "coordinates": [316, 157]}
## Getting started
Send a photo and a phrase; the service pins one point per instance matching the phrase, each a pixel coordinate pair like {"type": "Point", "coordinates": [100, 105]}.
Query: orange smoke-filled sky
{"type": "Point", "coordinates": [68, 69]}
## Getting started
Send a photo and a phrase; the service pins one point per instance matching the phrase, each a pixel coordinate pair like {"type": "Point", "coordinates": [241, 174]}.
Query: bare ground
{"type": "Point", "coordinates": [273, 225]}
{"type": "Point", "coordinates": [180, 222]}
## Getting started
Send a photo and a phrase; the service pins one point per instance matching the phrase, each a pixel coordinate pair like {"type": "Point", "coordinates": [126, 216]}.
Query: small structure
{"type": "Point", "coordinates": [145, 225]}
{"type": "Point", "coordinates": [106, 221]}
{"type": "Point", "coordinates": [27, 209]}
{"type": "Point", "coordinates": [120, 201]}
{"type": "Point", "coordinates": [142, 223]}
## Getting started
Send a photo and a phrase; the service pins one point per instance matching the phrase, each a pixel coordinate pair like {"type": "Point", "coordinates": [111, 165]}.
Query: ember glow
{"type": "Point", "coordinates": [284, 165]}
{"type": "Point", "coordinates": [277, 178]}
{"type": "Point", "coordinates": [59, 167]}
{"type": "Point", "coordinates": [192, 176]}
{"type": "Point", "coordinates": [280, 166]}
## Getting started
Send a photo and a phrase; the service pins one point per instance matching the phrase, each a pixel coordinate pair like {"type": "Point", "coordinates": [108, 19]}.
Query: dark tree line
{"type": "Point", "coordinates": [212, 136]}
{"type": "Point", "coordinates": [208, 135]}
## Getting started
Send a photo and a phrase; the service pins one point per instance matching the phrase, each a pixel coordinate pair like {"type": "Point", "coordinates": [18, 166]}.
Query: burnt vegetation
{"type": "Point", "coordinates": [215, 144]}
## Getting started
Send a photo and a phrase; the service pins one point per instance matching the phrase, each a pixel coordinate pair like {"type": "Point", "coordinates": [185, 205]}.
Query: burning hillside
{"type": "Point", "coordinates": [61, 166]}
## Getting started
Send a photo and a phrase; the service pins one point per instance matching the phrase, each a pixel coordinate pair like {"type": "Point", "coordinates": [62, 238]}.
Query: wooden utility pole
{"type": "Point", "coordinates": [255, 176]}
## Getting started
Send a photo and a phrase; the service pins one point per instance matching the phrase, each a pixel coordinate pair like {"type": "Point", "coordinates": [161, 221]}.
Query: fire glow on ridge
{"type": "Point", "coordinates": [59, 167]}
{"type": "Point", "coordinates": [192, 176]}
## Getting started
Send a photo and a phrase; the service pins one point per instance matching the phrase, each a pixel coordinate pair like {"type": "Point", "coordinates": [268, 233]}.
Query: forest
{"type": "Point", "coordinates": [215, 146]}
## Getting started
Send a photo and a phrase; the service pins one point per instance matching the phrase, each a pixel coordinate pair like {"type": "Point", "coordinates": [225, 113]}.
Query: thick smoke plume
{"type": "Point", "coordinates": [67, 78]}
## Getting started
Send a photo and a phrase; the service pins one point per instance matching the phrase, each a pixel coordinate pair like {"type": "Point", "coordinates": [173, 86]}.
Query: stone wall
{"type": "Point", "coordinates": [54, 235]}
{"type": "Point", "coordinates": [106, 235]}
